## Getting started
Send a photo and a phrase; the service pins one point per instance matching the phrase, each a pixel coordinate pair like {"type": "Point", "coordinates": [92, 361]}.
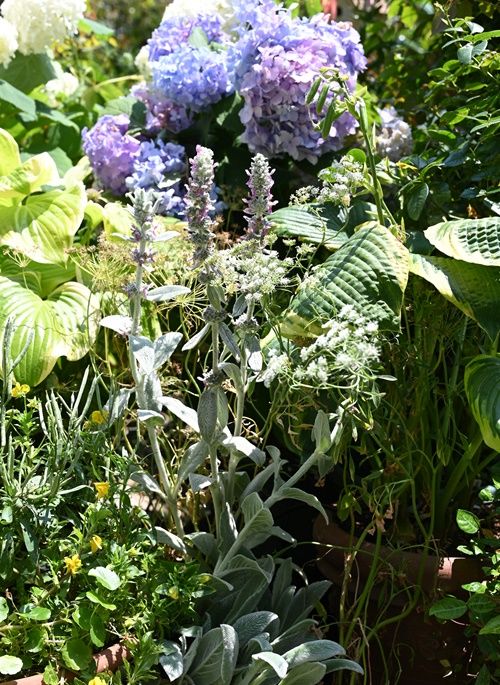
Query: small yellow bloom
{"type": "Point", "coordinates": [20, 390]}
{"type": "Point", "coordinates": [102, 489]}
{"type": "Point", "coordinates": [173, 592]}
{"type": "Point", "coordinates": [97, 681]}
{"type": "Point", "coordinates": [73, 564]}
{"type": "Point", "coordinates": [98, 418]}
{"type": "Point", "coordinates": [95, 543]}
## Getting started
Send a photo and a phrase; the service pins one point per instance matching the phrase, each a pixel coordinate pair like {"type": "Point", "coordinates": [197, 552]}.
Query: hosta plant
{"type": "Point", "coordinates": [52, 314]}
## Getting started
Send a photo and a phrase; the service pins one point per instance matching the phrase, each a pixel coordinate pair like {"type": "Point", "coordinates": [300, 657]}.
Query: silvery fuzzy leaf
{"type": "Point", "coordinates": [182, 412]}
{"type": "Point", "coordinates": [207, 545]}
{"type": "Point", "coordinates": [277, 662]}
{"type": "Point", "coordinates": [117, 323]}
{"type": "Point", "coordinates": [163, 237]}
{"type": "Point", "coordinates": [193, 458]}
{"type": "Point", "coordinates": [251, 506]}
{"type": "Point", "coordinates": [251, 625]}
{"type": "Point", "coordinates": [301, 496]}
{"type": "Point", "coordinates": [245, 447]}
{"type": "Point", "coordinates": [117, 404]}
{"type": "Point", "coordinates": [149, 417]}
{"type": "Point", "coordinates": [172, 660]}
{"type": "Point", "coordinates": [321, 432]}
{"type": "Point", "coordinates": [152, 392]}
{"type": "Point", "coordinates": [166, 292]}
{"type": "Point", "coordinates": [207, 414]}
{"type": "Point", "coordinates": [216, 657]}
{"type": "Point", "coordinates": [278, 532]}
{"type": "Point", "coordinates": [165, 537]}
{"type": "Point", "coordinates": [146, 481]}
{"type": "Point", "coordinates": [222, 408]}
{"type": "Point", "coordinates": [239, 306]}
{"type": "Point", "coordinates": [305, 674]}
{"type": "Point", "coordinates": [143, 351]}
{"type": "Point", "coordinates": [229, 340]}
{"type": "Point", "coordinates": [333, 665]}
{"type": "Point", "coordinates": [254, 355]}
{"type": "Point", "coordinates": [233, 372]}
{"type": "Point", "coordinates": [228, 531]}
{"type": "Point", "coordinates": [316, 650]}
{"type": "Point", "coordinates": [199, 482]}
{"type": "Point", "coordinates": [164, 346]}
{"type": "Point", "coordinates": [196, 339]}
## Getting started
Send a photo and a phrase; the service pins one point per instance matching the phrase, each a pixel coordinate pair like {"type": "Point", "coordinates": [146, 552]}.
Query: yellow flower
{"type": "Point", "coordinates": [98, 418]}
{"type": "Point", "coordinates": [173, 592]}
{"type": "Point", "coordinates": [102, 489]}
{"type": "Point", "coordinates": [95, 543]}
{"type": "Point", "coordinates": [97, 681]}
{"type": "Point", "coordinates": [20, 390]}
{"type": "Point", "coordinates": [73, 564]}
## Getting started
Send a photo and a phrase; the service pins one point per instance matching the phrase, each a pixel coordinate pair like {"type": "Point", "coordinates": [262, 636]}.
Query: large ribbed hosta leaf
{"type": "Point", "coordinates": [473, 288]}
{"type": "Point", "coordinates": [326, 225]}
{"type": "Point", "coordinates": [370, 271]}
{"type": "Point", "coordinates": [482, 387]}
{"type": "Point", "coordinates": [62, 325]}
{"type": "Point", "coordinates": [42, 227]}
{"type": "Point", "coordinates": [470, 240]}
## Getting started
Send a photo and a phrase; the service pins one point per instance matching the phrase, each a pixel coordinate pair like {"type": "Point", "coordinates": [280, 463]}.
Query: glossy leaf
{"type": "Point", "coordinates": [448, 609]}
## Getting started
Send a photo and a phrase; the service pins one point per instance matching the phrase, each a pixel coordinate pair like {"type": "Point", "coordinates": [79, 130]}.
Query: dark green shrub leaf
{"type": "Point", "coordinates": [106, 577]}
{"type": "Point", "coordinates": [448, 608]}
{"type": "Point", "coordinates": [76, 654]}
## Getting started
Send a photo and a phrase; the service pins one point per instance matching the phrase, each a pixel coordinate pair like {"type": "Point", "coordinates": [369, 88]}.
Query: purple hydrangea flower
{"type": "Point", "coordinates": [111, 151]}
{"type": "Point", "coordinates": [161, 114]}
{"type": "Point", "coordinates": [174, 32]}
{"type": "Point", "coordinates": [193, 78]}
{"type": "Point", "coordinates": [275, 79]}
{"type": "Point", "coordinates": [160, 167]}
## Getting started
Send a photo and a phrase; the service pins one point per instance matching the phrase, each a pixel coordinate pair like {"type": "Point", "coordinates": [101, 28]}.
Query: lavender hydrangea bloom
{"type": "Point", "coordinates": [111, 151]}
{"type": "Point", "coordinates": [274, 83]}
{"type": "Point", "coordinates": [193, 78]}
{"type": "Point", "coordinates": [161, 113]}
{"type": "Point", "coordinates": [174, 32]}
{"type": "Point", "coordinates": [159, 167]}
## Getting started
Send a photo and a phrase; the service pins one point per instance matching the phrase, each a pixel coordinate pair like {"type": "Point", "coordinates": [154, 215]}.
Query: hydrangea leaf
{"type": "Point", "coordinates": [473, 288]}
{"type": "Point", "coordinates": [62, 325]}
{"type": "Point", "coordinates": [475, 241]}
{"type": "Point", "coordinates": [482, 387]}
{"type": "Point", "coordinates": [43, 226]}
{"type": "Point", "coordinates": [369, 271]}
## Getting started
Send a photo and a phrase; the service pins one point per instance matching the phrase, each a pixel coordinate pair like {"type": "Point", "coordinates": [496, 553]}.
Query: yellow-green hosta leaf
{"type": "Point", "coordinates": [369, 271]}
{"type": "Point", "coordinates": [9, 153]}
{"type": "Point", "coordinates": [473, 288]}
{"type": "Point", "coordinates": [64, 324]}
{"type": "Point", "coordinates": [470, 240]}
{"type": "Point", "coordinates": [43, 226]}
{"type": "Point", "coordinates": [36, 172]}
{"type": "Point", "coordinates": [482, 387]}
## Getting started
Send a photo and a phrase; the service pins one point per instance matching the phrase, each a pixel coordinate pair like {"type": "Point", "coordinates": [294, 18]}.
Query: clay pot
{"type": "Point", "coordinates": [110, 659]}
{"type": "Point", "coordinates": [424, 646]}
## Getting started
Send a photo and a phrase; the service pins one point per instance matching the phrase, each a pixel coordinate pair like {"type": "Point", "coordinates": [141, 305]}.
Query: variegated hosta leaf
{"type": "Point", "coordinates": [370, 272]}
{"type": "Point", "coordinates": [42, 227]}
{"type": "Point", "coordinates": [470, 240]}
{"type": "Point", "coordinates": [64, 324]}
{"type": "Point", "coordinates": [473, 288]}
{"type": "Point", "coordinates": [482, 387]}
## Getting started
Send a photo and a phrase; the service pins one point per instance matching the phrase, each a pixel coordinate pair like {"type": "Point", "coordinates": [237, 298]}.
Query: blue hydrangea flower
{"type": "Point", "coordinates": [193, 78]}
{"type": "Point", "coordinates": [160, 166]}
{"type": "Point", "coordinates": [174, 32]}
{"type": "Point", "coordinates": [161, 114]}
{"type": "Point", "coordinates": [111, 151]}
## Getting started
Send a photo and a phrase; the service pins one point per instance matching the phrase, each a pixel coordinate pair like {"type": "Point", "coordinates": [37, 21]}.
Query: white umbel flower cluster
{"type": "Point", "coordinates": [339, 182]}
{"type": "Point", "coordinates": [8, 42]}
{"type": "Point", "coordinates": [395, 141]}
{"type": "Point", "coordinates": [39, 23]}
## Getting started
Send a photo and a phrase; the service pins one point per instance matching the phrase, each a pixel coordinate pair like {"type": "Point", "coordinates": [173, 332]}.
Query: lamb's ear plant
{"type": "Point", "coordinates": [249, 632]}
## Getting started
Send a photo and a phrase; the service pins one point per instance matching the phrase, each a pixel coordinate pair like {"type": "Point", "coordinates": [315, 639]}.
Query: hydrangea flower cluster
{"type": "Point", "coordinates": [36, 24]}
{"type": "Point", "coordinates": [395, 140]}
{"type": "Point", "coordinates": [122, 162]}
{"type": "Point", "coordinates": [8, 42]}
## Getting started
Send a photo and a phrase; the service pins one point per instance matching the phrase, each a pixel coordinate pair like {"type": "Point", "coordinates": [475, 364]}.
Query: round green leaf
{"type": "Point", "coordinates": [467, 521]}
{"type": "Point", "coordinates": [492, 627]}
{"type": "Point", "coordinates": [76, 654]}
{"type": "Point", "coordinates": [448, 608]}
{"type": "Point", "coordinates": [39, 614]}
{"type": "Point", "coordinates": [9, 665]}
{"type": "Point", "coordinates": [106, 577]}
{"type": "Point", "coordinates": [4, 609]}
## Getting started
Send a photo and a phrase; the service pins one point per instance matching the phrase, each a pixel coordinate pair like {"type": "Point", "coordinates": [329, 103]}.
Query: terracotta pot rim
{"type": "Point", "coordinates": [108, 659]}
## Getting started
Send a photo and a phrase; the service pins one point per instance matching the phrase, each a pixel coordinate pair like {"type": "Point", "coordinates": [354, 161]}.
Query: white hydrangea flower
{"type": "Point", "coordinates": [8, 41]}
{"type": "Point", "coordinates": [41, 22]}
{"type": "Point", "coordinates": [188, 8]}
{"type": "Point", "coordinates": [142, 63]}
{"type": "Point", "coordinates": [61, 87]}
{"type": "Point", "coordinates": [395, 140]}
